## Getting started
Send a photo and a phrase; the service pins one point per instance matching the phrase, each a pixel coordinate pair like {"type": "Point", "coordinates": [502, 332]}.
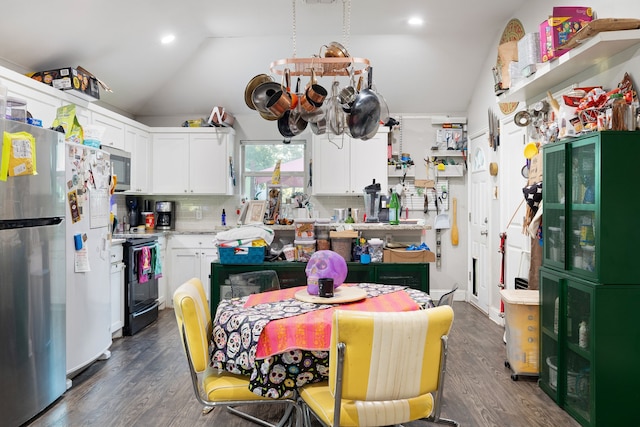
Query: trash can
{"type": "Point", "coordinates": [522, 331]}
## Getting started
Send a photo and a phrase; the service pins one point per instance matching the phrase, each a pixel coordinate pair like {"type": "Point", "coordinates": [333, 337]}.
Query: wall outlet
{"type": "Point", "coordinates": [198, 212]}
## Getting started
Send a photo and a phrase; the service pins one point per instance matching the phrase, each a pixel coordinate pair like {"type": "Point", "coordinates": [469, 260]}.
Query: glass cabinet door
{"type": "Point", "coordinates": [554, 195]}
{"type": "Point", "coordinates": [582, 233]}
{"type": "Point", "coordinates": [577, 378]}
{"type": "Point", "coordinates": [551, 315]}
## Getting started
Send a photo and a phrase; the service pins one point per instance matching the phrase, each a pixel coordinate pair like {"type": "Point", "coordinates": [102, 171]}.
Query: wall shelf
{"type": "Point", "coordinates": [595, 50]}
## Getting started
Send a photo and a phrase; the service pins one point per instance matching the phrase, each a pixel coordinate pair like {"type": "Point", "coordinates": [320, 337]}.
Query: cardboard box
{"type": "Point", "coordinates": [565, 22]}
{"type": "Point", "coordinates": [81, 84]}
{"type": "Point", "coordinates": [405, 256]}
{"type": "Point", "coordinates": [535, 169]}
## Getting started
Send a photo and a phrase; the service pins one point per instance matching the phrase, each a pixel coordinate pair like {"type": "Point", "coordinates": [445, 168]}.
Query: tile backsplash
{"type": "Point", "coordinates": [204, 213]}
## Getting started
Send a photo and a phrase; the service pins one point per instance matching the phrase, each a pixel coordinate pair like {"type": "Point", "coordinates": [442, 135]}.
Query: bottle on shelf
{"type": "Point", "coordinates": [394, 209]}
{"type": "Point", "coordinates": [349, 219]}
{"type": "Point", "coordinates": [223, 219]}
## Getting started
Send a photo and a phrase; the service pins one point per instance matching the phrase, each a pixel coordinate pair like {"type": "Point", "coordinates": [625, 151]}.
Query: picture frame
{"type": "Point", "coordinates": [255, 212]}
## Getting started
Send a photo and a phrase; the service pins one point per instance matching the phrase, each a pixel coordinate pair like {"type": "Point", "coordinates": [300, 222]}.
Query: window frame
{"type": "Point", "coordinates": [268, 174]}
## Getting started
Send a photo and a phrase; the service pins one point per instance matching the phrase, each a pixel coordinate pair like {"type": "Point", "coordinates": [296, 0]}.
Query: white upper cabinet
{"type": "Point", "coordinates": [138, 142]}
{"type": "Point", "coordinates": [192, 161]}
{"type": "Point", "coordinates": [344, 166]}
{"type": "Point", "coordinates": [113, 130]}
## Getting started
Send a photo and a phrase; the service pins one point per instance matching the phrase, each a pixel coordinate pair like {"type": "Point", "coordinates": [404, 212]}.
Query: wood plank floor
{"type": "Point", "coordinates": [146, 383]}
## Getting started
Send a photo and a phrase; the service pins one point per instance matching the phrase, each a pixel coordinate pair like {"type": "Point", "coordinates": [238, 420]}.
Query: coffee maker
{"type": "Point", "coordinates": [164, 215]}
{"type": "Point", "coordinates": [133, 204]}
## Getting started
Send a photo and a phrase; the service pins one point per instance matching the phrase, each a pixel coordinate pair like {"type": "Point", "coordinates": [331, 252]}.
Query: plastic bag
{"type": "Point", "coordinates": [66, 117]}
{"type": "Point", "coordinates": [18, 155]}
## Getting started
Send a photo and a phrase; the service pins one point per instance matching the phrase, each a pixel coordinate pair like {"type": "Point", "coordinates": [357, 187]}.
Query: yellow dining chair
{"type": "Point", "coordinates": [384, 369]}
{"type": "Point", "coordinates": [215, 387]}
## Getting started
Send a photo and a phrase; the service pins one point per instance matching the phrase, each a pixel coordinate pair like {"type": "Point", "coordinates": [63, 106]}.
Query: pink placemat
{"type": "Point", "coordinates": [312, 330]}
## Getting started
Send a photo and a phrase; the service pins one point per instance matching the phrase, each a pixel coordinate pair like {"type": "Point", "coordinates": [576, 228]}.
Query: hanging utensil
{"type": "Point", "coordinates": [454, 227]}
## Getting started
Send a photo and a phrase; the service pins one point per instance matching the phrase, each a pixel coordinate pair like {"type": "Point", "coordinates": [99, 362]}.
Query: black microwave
{"type": "Point", "coordinates": [120, 167]}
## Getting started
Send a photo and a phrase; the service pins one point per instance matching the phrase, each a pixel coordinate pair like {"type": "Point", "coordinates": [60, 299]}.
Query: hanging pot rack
{"type": "Point", "coordinates": [321, 66]}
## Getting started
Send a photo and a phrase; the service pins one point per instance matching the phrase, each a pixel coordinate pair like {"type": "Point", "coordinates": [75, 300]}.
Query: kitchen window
{"type": "Point", "coordinates": [259, 158]}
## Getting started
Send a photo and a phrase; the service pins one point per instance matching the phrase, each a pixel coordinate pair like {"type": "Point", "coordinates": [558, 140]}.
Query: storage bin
{"type": "Point", "coordinates": [305, 229]}
{"type": "Point", "coordinates": [241, 255]}
{"type": "Point", "coordinates": [522, 324]}
{"type": "Point", "coordinates": [304, 249]}
{"type": "Point", "coordinates": [342, 246]}
{"type": "Point", "coordinates": [578, 383]}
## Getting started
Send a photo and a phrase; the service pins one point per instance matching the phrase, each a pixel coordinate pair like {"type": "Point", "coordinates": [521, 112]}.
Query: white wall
{"type": "Point", "coordinates": [608, 74]}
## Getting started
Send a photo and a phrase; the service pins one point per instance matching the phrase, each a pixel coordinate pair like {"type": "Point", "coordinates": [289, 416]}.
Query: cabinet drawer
{"type": "Point", "coordinates": [116, 253]}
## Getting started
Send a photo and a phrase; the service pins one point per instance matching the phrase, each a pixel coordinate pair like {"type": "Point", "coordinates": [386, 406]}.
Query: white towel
{"type": "Point", "coordinates": [243, 235]}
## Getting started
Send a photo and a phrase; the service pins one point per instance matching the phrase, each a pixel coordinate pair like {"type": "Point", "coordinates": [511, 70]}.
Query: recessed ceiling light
{"type": "Point", "coordinates": [415, 21]}
{"type": "Point", "coordinates": [167, 39]}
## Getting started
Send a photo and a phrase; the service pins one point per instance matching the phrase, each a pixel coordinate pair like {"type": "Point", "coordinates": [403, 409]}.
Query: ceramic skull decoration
{"type": "Point", "coordinates": [324, 265]}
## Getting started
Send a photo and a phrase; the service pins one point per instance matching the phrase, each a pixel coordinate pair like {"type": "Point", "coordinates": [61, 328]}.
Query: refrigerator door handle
{"type": "Point", "coordinates": [7, 224]}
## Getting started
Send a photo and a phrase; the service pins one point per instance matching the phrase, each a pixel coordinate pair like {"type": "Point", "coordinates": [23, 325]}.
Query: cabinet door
{"type": "Point", "coordinates": [117, 298]}
{"type": "Point", "coordinates": [138, 142]}
{"type": "Point", "coordinates": [41, 105]}
{"type": "Point", "coordinates": [331, 164]}
{"type": "Point", "coordinates": [368, 162]}
{"type": "Point", "coordinates": [577, 356]}
{"type": "Point", "coordinates": [114, 130]}
{"type": "Point", "coordinates": [185, 265]}
{"type": "Point", "coordinates": [555, 191]}
{"type": "Point", "coordinates": [209, 159]}
{"type": "Point", "coordinates": [170, 163]}
{"type": "Point", "coordinates": [551, 323]}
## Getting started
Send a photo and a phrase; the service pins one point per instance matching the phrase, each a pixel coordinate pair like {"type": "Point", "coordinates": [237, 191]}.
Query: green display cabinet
{"type": "Point", "coordinates": [589, 348]}
{"type": "Point", "coordinates": [293, 274]}
{"type": "Point", "coordinates": [590, 207]}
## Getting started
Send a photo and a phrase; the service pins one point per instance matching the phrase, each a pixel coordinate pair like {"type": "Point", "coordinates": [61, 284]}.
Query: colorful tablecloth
{"type": "Point", "coordinates": [283, 343]}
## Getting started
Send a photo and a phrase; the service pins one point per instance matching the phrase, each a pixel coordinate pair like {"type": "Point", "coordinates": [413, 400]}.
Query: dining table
{"type": "Point", "coordinates": [281, 339]}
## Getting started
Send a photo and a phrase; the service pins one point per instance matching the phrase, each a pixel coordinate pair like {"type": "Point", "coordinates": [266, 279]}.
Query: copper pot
{"type": "Point", "coordinates": [335, 50]}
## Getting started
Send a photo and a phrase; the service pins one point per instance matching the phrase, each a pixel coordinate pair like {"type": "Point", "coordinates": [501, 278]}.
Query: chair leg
{"type": "Point", "coordinates": [283, 421]}
{"type": "Point", "coordinates": [207, 409]}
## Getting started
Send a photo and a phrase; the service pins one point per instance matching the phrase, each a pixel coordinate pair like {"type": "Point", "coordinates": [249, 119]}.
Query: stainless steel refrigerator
{"type": "Point", "coordinates": [32, 271]}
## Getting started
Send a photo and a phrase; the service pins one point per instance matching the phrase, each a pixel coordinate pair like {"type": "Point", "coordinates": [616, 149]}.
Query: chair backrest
{"type": "Point", "coordinates": [388, 355]}
{"type": "Point", "coordinates": [194, 321]}
{"type": "Point", "coordinates": [447, 298]}
{"type": "Point", "coordinates": [253, 282]}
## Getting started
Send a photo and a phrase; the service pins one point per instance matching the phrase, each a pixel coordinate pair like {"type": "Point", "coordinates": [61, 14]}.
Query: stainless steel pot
{"type": "Point", "coordinates": [365, 112]}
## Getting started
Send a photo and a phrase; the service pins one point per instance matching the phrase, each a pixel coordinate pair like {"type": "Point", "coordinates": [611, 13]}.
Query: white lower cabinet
{"type": "Point", "coordinates": [117, 290]}
{"type": "Point", "coordinates": [190, 256]}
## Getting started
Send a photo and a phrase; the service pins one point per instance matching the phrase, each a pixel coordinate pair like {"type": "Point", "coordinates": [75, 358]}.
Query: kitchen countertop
{"type": "Point", "coordinates": [359, 226]}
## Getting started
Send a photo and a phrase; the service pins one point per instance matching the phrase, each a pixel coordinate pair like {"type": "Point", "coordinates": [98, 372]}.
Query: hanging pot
{"type": "Point", "coordinates": [365, 112]}
{"type": "Point", "coordinates": [314, 94]}
{"type": "Point", "coordinates": [253, 83]}
{"type": "Point", "coordinates": [335, 50]}
{"type": "Point", "coordinates": [280, 101]}
{"type": "Point", "coordinates": [347, 95]}
{"type": "Point", "coordinates": [261, 95]}
{"type": "Point", "coordinates": [291, 124]}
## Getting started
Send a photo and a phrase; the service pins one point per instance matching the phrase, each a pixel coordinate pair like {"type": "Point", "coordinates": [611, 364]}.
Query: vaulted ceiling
{"type": "Point", "coordinates": [221, 45]}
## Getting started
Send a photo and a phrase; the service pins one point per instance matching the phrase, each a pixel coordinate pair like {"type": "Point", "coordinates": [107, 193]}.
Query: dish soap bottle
{"type": "Point", "coordinates": [349, 219]}
{"type": "Point", "coordinates": [224, 217]}
{"type": "Point", "coordinates": [394, 209]}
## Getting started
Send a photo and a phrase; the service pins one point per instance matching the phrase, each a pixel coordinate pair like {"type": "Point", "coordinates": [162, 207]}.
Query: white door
{"type": "Point", "coordinates": [185, 264]}
{"type": "Point", "coordinates": [518, 247]}
{"type": "Point", "coordinates": [208, 163]}
{"type": "Point", "coordinates": [479, 197]}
